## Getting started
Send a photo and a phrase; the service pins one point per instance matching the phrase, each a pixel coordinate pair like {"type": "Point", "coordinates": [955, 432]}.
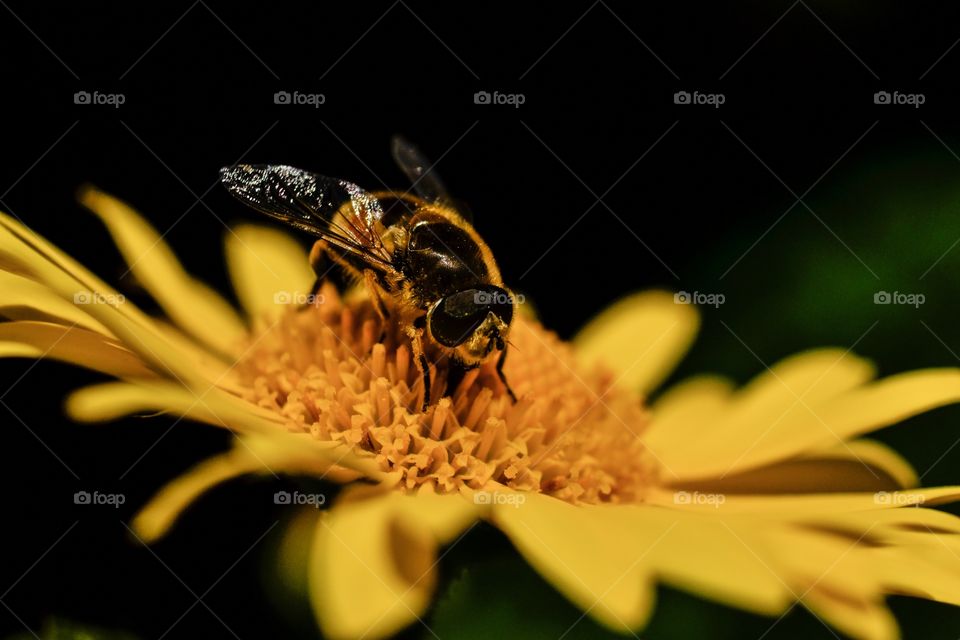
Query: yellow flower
{"type": "Point", "coordinates": [760, 498]}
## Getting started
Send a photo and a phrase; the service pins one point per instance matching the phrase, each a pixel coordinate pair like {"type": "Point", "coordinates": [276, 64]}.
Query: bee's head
{"type": "Point", "coordinates": [474, 322]}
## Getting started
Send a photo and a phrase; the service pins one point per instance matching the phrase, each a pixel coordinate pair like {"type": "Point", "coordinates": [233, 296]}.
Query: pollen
{"type": "Point", "coordinates": [572, 433]}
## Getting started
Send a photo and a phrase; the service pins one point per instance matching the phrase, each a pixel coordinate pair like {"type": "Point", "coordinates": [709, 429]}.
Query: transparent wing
{"type": "Point", "coordinates": [310, 202]}
{"type": "Point", "coordinates": [426, 183]}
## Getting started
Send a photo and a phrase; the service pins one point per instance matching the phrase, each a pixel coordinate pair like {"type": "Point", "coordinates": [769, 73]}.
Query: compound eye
{"type": "Point", "coordinates": [456, 317]}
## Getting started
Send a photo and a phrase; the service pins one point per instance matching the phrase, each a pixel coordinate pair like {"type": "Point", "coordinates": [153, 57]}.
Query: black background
{"type": "Point", "coordinates": [686, 192]}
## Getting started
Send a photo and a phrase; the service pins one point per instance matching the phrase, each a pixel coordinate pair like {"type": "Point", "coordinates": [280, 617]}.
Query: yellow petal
{"type": "Point", "coordinates": [891, 526]}
{"type": "Point", "coordinates": [812, 558]}
{"type": "Point", "coordinates": [598, 563]}
{"type": "Point", "coordinates": [813, 376]}
{"type": "Point", "coordinates": [210, 366]}
{"type": "Point", "coordinates": [26, 299]}
{"type": "Point", "coordinates": [795, 386]}
{"type": "Point", "coordinates": [109, 401]}
{"type": "Point", "coordinates": [685, 412]}
{"type": "Point", "coordinates": [373, 566]}
{"type": "Point", "coordinates": [19, 350]}
{"type": "Point", "coordinates": [641, 338]}
{"type": "Point", "coordinates": [806, 505]}
{"type": "Point", "coordinates": [871, 453]}
{"type": "Point", "coordinates": [861, 465]}
{"type": "Point", "coordinates": [273, 454]}
{"type": "Point", "coordinates": [934, 572]}
{"type": "Point", "coordinates": [25, 253]}
{"type": "Point", "coordinates": [924, 541]}
{"type": "Point", "coordinates": [156, 518]}
{"type": "Point", "coordinates": [112, 400]}
{"type": "Point", "coordinates": [851, 414]}
{"type": "Point", "coordinates": [806, 404]}
{"type": "Point", "coordinates": [841, 565]}
{"type": "Point", "coordinates": [856, 617]}
{"type": "Point", "coordinates": [269, 269]}
{"type": "Point", "coordinates": [194, 306]}
{"type": "Point", "coordinates": [889, 401]}
{"type": "Point", "coordinates": [760, 563]}
{"type": "Point", "coordinates": [75, 345]}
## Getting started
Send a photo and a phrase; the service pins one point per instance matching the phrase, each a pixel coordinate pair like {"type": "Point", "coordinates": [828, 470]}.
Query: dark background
{"type": "Point", "coordinates": [797, 199]}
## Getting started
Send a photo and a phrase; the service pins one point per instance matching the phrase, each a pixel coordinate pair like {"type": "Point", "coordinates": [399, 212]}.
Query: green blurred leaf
{"type": "Point", "coordinates": [63, 629]}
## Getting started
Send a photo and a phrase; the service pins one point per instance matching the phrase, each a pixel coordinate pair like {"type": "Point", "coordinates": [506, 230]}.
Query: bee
{"type": "Point", "coordinates": [419, 257]}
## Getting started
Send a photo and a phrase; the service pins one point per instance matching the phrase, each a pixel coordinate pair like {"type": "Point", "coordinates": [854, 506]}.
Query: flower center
{"type": "Point", "coordinates": [572, 433]}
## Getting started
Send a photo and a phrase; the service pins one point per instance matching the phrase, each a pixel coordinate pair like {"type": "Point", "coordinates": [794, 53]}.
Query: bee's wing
{"type": "Point", "coordinates": [426, 183]}
{"type": "Point", "coordinates": [309, 202]}
{"type": "Point", "coordinates": [418, 170]}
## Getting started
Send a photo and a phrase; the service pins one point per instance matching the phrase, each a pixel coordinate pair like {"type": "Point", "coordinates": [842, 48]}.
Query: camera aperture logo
{"type": "Point", "coordinates": [298, 498]}
{"type": "Point", "coordinates": [703, 299]}
{"type": "Point", "coordinates": [97, 498]}
{"type": "Point", "coordinates": [909, 99]}
{"type": "Point", "coordinates": [97, 98]}
{"type": "Point", "coordinates": [910, 299]}
{"type": "Point", "coordinates": [709, 99]}
{"type": "Point", "coordinates": [712, 499]}
{"type": "Point", "coordinates": [499, 497]}
{"type": "Point", "coordinates": [512, 99]}
{"type": "Point", "coordinates": [297, 98]}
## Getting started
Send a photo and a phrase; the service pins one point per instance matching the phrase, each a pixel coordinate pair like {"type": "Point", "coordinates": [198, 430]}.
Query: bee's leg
{"type": "Point", "coordinates": [315, 288]}
{"type": "Point", "coordinates": [455, 374]}
{"type": "Point", "coordinates": [415, 332]}
{"type": "Point", "coordinates": [376, 297]}
{"type": "Point", "coordinates": [503, 378]}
